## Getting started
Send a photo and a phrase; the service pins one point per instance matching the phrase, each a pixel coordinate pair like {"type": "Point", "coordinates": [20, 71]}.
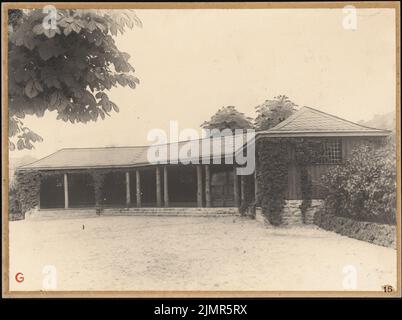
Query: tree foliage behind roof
{"type": "Point", "coordinates": [228, 118]}
{"type": "Point", "coordinates": [272, 112]}
{"type": "Point", "coordinates": [385, 121]}
{"type": "Point", "coordinates": [66, 69]}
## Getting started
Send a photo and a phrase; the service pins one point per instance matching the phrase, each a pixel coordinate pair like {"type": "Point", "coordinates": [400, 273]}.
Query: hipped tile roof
{"type": "Point", "coordinates": [306, 122]}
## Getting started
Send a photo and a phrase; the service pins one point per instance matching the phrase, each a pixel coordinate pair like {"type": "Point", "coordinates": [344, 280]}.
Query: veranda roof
{"type": "Point", "coordinates": [82, 158]}
{"type": "Point", "coordinates": [306, 122]}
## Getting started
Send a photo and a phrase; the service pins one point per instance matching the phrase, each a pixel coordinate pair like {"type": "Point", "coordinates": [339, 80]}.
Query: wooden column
{"type": "Point", "coordinates": [158, 187]}
{"type": "Point", "coordinates": [207, 186]}
{"type": "Point", "coordinates": [165, 187]}
{"type": "Point", "coordinates": [39, 199]}
{"type": "Point", "coordinates": [242, 190]}
{"type": "Point", "coordinates": [128, 192]}
{"type": "Point", "coordinates": [235, 187]}
{"type": "Point", "coordinates": [38, 195]}
{"type": "Point", "coordinates": [256, 187]}
{"type": "Point", "coordinates": [199, 185]}
{"type": "Point", "coordinates": [138, 187]}
{"type": "Point", "coordinates": [65, 191]}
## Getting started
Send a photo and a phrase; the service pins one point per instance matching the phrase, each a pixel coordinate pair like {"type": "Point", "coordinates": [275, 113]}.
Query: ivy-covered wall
{"type": "Point", "coordinates": [275, 157]}
{"type": "Point", "coordinates": [272, 177]}
{"type": "Point", "coordinates": [27, 188]}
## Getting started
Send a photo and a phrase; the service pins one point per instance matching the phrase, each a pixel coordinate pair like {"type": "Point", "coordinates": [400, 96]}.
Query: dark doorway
{"type": "Point", "coordinates": [81, 190]}
{"type": "Point", "coordinates": [222, 188]}
{"type": "Point", "coordinates": [148, 187]}
{"type": "Point", "coordinates": [114, 189]}
{"type": "Point", "coordinates": [52, 192]}
{"type": "Point", "coordinates": [182, 182]}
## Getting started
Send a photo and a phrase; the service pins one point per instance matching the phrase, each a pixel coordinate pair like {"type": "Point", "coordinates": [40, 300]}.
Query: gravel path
{"type": "Point", "coordinates": [191, 253]}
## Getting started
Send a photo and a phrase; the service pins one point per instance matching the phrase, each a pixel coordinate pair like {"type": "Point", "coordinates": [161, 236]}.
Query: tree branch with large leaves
{"type": "Point", "coordinates": [67, 69]}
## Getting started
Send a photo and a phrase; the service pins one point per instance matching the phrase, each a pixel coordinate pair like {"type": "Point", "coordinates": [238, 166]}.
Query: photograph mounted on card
{"type": "Point", "coordinates": [201, 150]}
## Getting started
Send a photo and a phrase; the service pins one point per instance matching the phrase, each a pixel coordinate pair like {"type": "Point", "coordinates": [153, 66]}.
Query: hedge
{"type": "Point", "coordinates": [364, 188]}
{"type": "Point", "coordinates": [380, 234]}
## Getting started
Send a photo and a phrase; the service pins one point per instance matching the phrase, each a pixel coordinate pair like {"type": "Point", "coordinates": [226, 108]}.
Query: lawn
{"type": "Point", "coordinates": [191, 253]}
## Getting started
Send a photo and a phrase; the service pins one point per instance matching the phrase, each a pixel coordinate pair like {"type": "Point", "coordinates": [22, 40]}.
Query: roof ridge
{"type": "Point", "coordinates": [45, 157]}
{"type": "Point", "coordinates": [91, 148]}
{"type": "Point", "coordinates": [303, 109]}
{"type": "Point", "coordinates": [144, 146]}
{"type": "Point", "coordinates": [339, 118]}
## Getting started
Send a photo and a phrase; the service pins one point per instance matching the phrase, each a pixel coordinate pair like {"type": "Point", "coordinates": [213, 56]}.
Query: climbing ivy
{"type": "Point", "coordinates": [274, 157]}
{"type": "Point", "coordinates": [27, 189]}
{"type": "Point", "coordinates": [307, 152]}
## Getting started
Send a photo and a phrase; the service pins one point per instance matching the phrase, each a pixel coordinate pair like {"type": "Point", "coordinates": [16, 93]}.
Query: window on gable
{"type": "Point", "coordinates": [331, 152]}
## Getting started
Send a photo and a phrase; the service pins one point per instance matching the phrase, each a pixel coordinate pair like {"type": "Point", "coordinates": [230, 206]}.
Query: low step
{"type": "Point", "coordinates": [91, 212]}
{"type": "Point", "coordinates": [171, 211]}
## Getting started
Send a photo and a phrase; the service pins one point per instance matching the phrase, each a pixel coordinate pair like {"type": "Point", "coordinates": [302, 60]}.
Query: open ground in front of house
{"type": "Point", "coordinates": [191, 253]}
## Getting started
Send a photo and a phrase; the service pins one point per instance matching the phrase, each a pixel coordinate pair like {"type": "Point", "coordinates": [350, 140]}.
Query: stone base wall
{"type": "Point", "coordinates": [292, 214]}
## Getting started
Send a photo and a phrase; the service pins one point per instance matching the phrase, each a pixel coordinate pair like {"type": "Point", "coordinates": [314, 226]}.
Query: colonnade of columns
{"type": "Point", "coordinates": [203, 187]}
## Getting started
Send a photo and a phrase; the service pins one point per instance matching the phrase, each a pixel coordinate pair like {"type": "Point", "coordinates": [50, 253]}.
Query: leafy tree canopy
{"type": "Point", "coordinates": [228, 118]}
{"type": "Point", "coordinates": [274, 111]}
{"type": "Point", "coordinates": [66, 67]}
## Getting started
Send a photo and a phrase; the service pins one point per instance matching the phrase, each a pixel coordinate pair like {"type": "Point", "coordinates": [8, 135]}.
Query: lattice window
{"type": "Point", "coordinates": [331, 152]}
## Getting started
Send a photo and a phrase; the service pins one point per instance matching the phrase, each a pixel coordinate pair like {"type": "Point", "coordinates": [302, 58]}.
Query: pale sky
{"type": "Point", "coordinates": [192, 62]}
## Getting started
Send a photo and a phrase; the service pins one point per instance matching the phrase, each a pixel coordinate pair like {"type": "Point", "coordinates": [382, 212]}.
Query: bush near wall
{"type": "Point", "coordinates": [364, 187]}
{"type": "Point", "coordinates": [14, 208]}
{"type": "Point", "coordinates": [26, 193]}
{"type": "Point", "coordinates": [380, 234]}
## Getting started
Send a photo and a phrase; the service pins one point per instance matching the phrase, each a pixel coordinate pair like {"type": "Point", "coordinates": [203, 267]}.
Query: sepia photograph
{"type": "Point", "coordinates": [201, 149]}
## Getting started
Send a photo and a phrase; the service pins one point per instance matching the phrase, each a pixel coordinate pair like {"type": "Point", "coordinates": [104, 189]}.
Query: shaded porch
{"type": "Point", "coordinates": [141, 187]}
